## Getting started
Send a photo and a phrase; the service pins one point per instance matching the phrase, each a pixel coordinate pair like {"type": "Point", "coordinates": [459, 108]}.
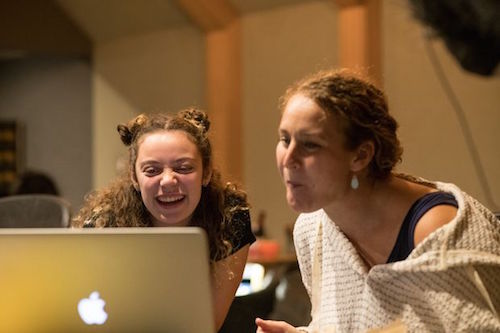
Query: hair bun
{"type": "Point", "coordinates": [129, 131]}
{"type": "Point", "coordinates": [197, 117]}
{"type": "Point", "coordinates": [125, 134]}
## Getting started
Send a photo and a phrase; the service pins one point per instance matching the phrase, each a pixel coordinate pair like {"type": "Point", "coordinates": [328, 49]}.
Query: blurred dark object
{"type": "Point", "coordinates": [34, 182]}
{"type": "Point", "coordinates": [11, 154]}
{"type": "Point", "coordinates": [292, 302]}
{"type": "Point", "coordinates": [259, 229]}
{"type": "Point", "coordinates": [244, 309]}
{"type": "Point", "coordinates": [284, 297]}
{"type": "Point", "coordinates": [469, 28]}
{"type": "Point", "coordinates": [34, 211]}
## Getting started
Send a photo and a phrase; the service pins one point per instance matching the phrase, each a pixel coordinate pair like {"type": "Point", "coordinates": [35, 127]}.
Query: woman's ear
{"type": "Point", "coordinates": [207, 177]}
{"type": "Point", "coordinates": [363, 155]}
{"type": "Point", "coordinates": [135, 183]}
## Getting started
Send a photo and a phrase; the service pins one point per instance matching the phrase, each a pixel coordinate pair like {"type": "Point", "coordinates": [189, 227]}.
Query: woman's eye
{"type": "Point", "coordinates": [284, 140]}
{"type": "Point", "coordinates": [311, 145]}
{"type": "Point", "coordinates": [151, 171]}
{"type": "Point", "coordinates": [184, 169]}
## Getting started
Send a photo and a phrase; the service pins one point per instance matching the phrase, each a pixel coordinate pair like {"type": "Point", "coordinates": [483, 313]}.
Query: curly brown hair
{"type": "Point", "coordinates": [121, 205]}
{"type": "Point", "coordinates": [362, 111]}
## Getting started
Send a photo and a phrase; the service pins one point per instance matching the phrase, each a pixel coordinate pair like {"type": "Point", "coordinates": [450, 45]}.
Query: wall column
{"type": "Point", "coordinates": [221, 24]}
{"type": "Point", "coordinates": [223, 89]}
{"type": "Point", "coordinates": [360, 36]}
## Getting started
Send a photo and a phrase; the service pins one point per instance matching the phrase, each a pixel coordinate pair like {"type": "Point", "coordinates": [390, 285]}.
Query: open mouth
{"type": "Point", "coordinates": [170, 200]}
{"type": "Point", "coordinates": [292, 184]}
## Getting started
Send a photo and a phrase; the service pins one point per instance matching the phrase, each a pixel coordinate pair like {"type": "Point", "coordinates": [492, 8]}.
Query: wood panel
{"type": "Point", "coordinates": [360, 36]}
{"type": "Point", "coordinates": [221, 24]}
{"type": "Point", "coordinates": [223, 91]}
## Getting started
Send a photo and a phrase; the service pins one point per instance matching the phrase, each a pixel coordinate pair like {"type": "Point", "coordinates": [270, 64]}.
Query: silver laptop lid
{"type": "Point", "coordinates": [105, 280]}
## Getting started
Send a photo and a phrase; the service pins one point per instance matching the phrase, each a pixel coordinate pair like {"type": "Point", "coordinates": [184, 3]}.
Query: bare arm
{"type": "Point", "coordinates": [435, 218]}
{"type": "Point", "coordinates": [227, 274]}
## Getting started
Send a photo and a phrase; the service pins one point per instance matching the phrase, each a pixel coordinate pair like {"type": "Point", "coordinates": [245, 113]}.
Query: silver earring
{"type": "Point", "coordinates": [354, 182]}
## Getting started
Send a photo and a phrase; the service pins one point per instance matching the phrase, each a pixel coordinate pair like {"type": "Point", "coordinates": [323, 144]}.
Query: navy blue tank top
{"type": "Point", "coordinates": [405, 242]}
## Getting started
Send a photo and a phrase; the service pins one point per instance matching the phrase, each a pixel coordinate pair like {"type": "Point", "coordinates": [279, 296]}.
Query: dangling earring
{"type": "Point", "coordinates": [354, 182]}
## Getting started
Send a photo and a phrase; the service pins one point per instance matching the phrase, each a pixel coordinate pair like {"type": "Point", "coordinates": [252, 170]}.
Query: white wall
{"type": "Point", "coordinates": [162, 71]}
{"type": "Point", "coordinates": [284, 44]}
{"type": "Point", "coordinates": [434, 143]}
{"type": "Point", "coordinates": [279, 47]}
{"type": "Point", "coordinates": [165, 71]}
{"type": "Point", "coordinates": [109, 108]}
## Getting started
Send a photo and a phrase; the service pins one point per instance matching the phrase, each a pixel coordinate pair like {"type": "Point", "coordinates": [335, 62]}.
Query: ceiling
{"type": "Point", "coordinates": [111, 19]}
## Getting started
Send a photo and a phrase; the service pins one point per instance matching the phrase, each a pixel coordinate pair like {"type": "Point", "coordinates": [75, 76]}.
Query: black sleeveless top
{"type": "Point", "coordinates": [405, 242]}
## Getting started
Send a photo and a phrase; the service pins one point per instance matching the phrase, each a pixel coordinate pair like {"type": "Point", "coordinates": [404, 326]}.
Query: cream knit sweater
{"type": "Point", "coordinates": [449, 283]}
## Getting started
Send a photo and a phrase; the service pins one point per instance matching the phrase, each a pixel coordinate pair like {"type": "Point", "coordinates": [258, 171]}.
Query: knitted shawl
{"type": "Point", "coordinates": [449, 283]}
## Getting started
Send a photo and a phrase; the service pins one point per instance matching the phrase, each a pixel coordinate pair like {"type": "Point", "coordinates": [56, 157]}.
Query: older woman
{"type": "Point", "coordinates": [375, 247]}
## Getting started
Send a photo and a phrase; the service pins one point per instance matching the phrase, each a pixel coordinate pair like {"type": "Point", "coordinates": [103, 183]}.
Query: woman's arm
{"type": "Point", "coordinates": [227, 275]}
{"type": "Point", "coordinates": [435, 218]}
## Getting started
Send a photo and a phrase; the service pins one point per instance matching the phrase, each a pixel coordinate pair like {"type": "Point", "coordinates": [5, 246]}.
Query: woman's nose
{"type": "Point", "coordinates": [168, 178]}
{"type": "Point", "coordinates": [290, 159]}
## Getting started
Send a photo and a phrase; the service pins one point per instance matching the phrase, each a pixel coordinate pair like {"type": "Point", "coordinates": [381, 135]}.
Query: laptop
{"type": "Point", "coordinates": [105, 280]}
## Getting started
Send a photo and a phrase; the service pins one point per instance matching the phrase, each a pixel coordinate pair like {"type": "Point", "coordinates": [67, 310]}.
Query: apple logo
{"type": "Point", "coordinates": [91, 309]}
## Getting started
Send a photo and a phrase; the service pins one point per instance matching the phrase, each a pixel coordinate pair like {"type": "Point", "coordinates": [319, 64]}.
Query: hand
{"type": "Point", "coordinates": [272, 326]}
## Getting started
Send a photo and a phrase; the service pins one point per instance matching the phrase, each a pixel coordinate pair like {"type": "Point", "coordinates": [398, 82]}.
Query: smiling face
{"type": "Point", "coordinates": [311, 158]}
{"type": "Point", "coordinates": [169, 174]}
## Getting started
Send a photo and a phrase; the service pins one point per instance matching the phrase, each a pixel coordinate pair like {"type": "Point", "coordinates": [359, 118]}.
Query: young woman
{"type": "Point", "coordinates": [374, 246]}
{"type": "Point", "coordinates": [171, 181]}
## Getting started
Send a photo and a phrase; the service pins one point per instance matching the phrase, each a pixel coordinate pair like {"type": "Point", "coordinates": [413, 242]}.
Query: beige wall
{"type": "Point", "coordinates": [434, 143]}
{"type": "Point", "coordinates": [279, 47]}
{"type": "Point", "coordinates": [161, 71]}
{"type": "Point", "coordinates": [282, 45]}
{"type": "Point", "coordinates": [165, 70]}
{"type": "Point", "coordinates": [109, 108]}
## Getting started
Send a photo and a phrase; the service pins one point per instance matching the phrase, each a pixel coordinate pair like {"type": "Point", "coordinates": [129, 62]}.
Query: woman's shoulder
{"type": "Point", "coordinates": [470, 220]}
{"type": "Point", "coordinates": [234, 197]}
{"type": "Point", "coordinates": [237, 206]}
{"type": "Point", "coordinates": [436, 186]}
{"type": "Point", "coordinates": [240, 230]}
{"type": "Point", "coordinates": [241, 217]}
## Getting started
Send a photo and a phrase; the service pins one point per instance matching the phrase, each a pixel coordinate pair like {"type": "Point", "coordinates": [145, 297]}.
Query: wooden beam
{"type": "Point", "coordinates": [223, 91]}
{"type": "Point", "coordinates": [221, 24]}
{"type": "Point", "coordinates": [360, 36]}
{"type": "Point", "coordinates": [209, 14]}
